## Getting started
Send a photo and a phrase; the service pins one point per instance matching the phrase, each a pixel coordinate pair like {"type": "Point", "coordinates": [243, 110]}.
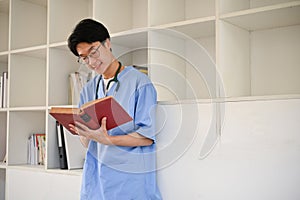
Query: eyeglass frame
{"type": "Point", "coordinates": [85, 60]}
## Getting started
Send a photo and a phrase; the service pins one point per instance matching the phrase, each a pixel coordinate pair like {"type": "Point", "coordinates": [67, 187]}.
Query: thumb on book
{"type": "Point", "coordinates": [103, 122]}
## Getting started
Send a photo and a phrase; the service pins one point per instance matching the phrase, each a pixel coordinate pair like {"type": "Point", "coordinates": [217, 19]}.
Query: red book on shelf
{"type": "Point", "coordinates": [92, 113]}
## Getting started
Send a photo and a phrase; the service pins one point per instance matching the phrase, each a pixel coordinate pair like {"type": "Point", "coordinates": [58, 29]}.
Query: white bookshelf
{"type": "Point", "coordinates": [225, 50]}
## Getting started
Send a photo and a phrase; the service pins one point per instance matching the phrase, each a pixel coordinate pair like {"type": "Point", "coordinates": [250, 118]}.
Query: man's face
{"type": "Point", "coordinates": [96, 56]}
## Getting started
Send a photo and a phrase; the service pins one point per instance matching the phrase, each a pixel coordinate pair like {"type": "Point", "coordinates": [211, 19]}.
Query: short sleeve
{"type": "Point", "coordinates": [145, 110]}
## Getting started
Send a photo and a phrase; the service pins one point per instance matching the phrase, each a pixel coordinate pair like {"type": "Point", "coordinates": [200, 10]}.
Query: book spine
{"type": "Point", "coordinates": [40, 146]}
{"type": "Point", "coordinates": [31, 150]}
{"type": "Point", "coordinates": [4, 89]}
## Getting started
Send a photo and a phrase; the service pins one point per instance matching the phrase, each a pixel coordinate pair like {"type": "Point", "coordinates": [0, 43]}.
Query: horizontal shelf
{"type": "Point", "coordinates": [77, 172]}
{"type": "Point", "coordinates": [187, 101]}
{"type": "Point", "coordinates": [62, 106]}
{"type": "Point", "coordinates": [215, 100]}
{"type": "Point", "coordinates": [129, 32]}
{"type": "Point", "coordinates": [186, 22]}
{"type": "Point", "coordinates": [232, 99]}
{"type": "Point", "coordinates": [280, 15]}
{"type": "Point", "coordinates": [258, 98]}
{"type": "Point", "coordinates": [3, 109]}
{"type": "Point", "coordinates": [198, 28]}
{"type": "Point", "coordinates": [4, 53]}
{"type": "Point", "coordinates": [131, 39]}
{"type": "Point", "coordinates": [27, 167]}
{"type": "Point", "coordinates": [28, 49]}
{"type": "Point", "coordinates": [42, 168]}
{"type": "Point", "coordinates": [62, 45]}
{"type": "Point", "coordinates": [30, 108]}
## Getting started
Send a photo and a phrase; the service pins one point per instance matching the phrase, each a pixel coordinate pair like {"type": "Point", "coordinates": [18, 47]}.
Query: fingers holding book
{"type": "Point", "coordinates": [99, 135]}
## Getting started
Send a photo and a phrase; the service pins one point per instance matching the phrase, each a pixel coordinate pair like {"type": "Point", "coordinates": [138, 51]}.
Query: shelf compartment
{"type": "Point", "coordinates": [29, 20]}
{"type": "Point", "coordinates": [32, 108]}
{"type": "Point", "coordinates": [61, 63]}
{"type": "Point", "coordinates": [202, 31]}
{"type": "Point", "coordinates": [66, 14]}
{"type": "Point", "coordinates": [130, 14]}
{"type": "Point", "coordinates": [28, 79]}
{"type": "Point", "coordinates": [266, 17]}
{"type": "Point", "coordinates": [181, 10]}
{"type": "Point", "coordinates": [132, 48]}
{"type": "Point", "coordinates": [28, 123]}
{"type": "Point", "coordinates": [187, 54]}
{"type": "Point", "coordinates": [4, 25]}
{"type": "Point", "coordinates": [259, 63]}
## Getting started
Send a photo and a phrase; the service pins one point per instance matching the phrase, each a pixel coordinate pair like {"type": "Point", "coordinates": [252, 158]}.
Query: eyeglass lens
{"type": "Point", "coordinates": [93, 54]}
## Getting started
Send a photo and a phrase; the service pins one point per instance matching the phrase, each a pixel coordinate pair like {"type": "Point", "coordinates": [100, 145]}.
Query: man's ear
{"type": "Point", "coordinates": [107, 43]}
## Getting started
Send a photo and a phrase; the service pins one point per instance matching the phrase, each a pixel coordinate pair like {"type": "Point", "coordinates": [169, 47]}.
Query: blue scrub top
{"type": "Point", "coordinates": [116, 172]}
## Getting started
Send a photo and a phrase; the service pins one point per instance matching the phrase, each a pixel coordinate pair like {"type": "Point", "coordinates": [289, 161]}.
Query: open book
{"type": "Point", "coordinates": [92, 113]}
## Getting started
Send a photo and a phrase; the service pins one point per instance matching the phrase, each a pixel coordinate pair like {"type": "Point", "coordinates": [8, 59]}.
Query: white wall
{"type": "Point", "coordinates": [256, 158]}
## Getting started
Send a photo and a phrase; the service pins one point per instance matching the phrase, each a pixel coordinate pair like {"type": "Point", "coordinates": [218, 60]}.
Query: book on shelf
{"type": "Point", "coordinates": [92, 113]}
{"type": "Point", "coordinates": [36, 154]}
{"type": "Point", "coordinates": [3, 89]}
{"type": "Point", "coordinates": [76, 82]}
{"type": "Point", "coordinates": [142, 69]}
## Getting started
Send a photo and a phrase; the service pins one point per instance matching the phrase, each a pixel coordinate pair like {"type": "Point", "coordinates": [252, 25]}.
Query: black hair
{"type": "Point", "coordinates": [87, 30]}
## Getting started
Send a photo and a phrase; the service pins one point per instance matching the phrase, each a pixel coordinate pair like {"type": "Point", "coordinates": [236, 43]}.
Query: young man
{"type": "Point", "coordinates": [120, 163]}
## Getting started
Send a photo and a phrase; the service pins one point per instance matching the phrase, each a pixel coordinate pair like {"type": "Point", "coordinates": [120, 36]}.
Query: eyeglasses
{"type": "Point", "coordinates": [95, 53]}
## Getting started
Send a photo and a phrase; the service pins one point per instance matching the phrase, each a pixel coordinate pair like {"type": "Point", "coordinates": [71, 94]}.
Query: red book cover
{"type": "Point", "coordinates": [92, 113]}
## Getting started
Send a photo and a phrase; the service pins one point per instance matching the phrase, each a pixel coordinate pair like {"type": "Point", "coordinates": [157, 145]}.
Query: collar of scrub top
{"type": "Point", "coordinates": [115, 79]}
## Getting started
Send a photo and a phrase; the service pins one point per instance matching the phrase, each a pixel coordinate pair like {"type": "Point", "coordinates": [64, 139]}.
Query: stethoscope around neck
{"type": "Point", "coordinates": [115, 79]}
